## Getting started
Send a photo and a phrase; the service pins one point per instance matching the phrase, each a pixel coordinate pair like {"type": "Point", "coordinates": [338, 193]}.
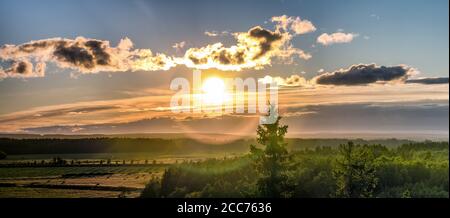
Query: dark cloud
{"type": "Point", "coordinates": [35, 45]}
{"type": "Point", "coordinates": [254, 49]}
{"type": "Point", "coordinates": [76, 56]}
{"type": "Point", "coordinates": [98, 50]}
{"type": "Point", "coordinates": [266, 38]}
{"type": "Point", "coordinates": [362, 74]}
{"type": "Point", "coordinates": [22, 67]}
{"type": "Point", "coordinates": [86, 55]}
{"type": "Point", "coordinates": [429, 81]}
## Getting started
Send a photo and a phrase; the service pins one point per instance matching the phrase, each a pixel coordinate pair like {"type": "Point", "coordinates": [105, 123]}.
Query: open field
{"type": "Point", "coordinates": [122, 173]}
{"type": "Point", "coordinates": [86, 174]}
{"type": "Point", "coordinates": [67, 171]}
{"type": "Point", "coordinates": [76, 181]}
{"type": "Point", "coordinates": [118, 181]}
{"type": "Point", "coordinates": [19, 192]}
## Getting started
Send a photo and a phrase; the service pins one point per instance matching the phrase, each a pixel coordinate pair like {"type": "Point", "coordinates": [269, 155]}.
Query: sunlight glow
{"type": "Point", "coordinates": [214, 91]}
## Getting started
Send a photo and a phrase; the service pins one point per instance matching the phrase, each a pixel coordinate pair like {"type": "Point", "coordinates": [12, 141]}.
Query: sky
{"type": "Point", "coordinates": [351, 66]}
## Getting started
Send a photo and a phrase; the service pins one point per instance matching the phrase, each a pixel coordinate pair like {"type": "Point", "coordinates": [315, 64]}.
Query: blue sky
{"type": "Point", "coordinates": [413, 32]}
{"type": "Point", "coordinates": [389, 33]}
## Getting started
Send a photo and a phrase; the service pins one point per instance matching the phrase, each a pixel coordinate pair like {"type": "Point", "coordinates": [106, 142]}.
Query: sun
{"type": "Point", "coordinates": [214, 91]}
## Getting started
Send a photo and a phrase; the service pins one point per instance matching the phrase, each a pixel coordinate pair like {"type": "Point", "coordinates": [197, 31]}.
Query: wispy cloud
{"type": "Point", "coordinates": [375, 16]}
{"type": "Point", "coordinates": [179, 45]}
{"type": "Point", "coordinates": [301, 93]}
{"type": "Point", "coordinates": [217, 33]}
{"type": "Point", "coordinates": [429, 81]}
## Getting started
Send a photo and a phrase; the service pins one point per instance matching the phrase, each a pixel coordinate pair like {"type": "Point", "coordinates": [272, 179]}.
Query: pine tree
{"type": "Point", "coordinates": [270, 160]}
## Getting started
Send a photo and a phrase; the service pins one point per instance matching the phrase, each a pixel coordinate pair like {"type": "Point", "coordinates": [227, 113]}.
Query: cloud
{"type": "Point", "coordinates": [254, 49]}
{"type": "Point", "coordinates": [213, 33]}
{"type": "Point", "coordinates": [82, 54]}
{"type": "Point", "coordinates": [359, 74]}
{"type": "Point", "coordinates": [291, 81]}
{"type": "Point", "coordinates": [429, 81]}
{"type": "Point", "coordinates": [179, 45]}
{"type": "Point", "coordinates": [334, 38]}
{"type": "Point", "coordinates": [362, 74]}
{"type": "Point", "coordinates": [23, 69]}
{"type": "Point", "coordinates": [294, 24]}
{"type": "Point", "coordinates": [216, 33]}
{"type": "Point", "coordinates": [288, 54]}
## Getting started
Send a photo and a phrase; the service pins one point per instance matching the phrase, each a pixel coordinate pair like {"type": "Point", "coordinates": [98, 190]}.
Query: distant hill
{"type": "Point", "coordinates": [226, 137]}
{"type": "Point", "coordinates": [56, 144]}
{"type": "Point", "coordinates": [131, 135]}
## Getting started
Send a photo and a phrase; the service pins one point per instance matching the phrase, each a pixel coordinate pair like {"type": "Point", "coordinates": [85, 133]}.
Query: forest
{"type": "Point", "coordinates": [412, 170]}
{"type": "Point", "coordinates": [113, 144]}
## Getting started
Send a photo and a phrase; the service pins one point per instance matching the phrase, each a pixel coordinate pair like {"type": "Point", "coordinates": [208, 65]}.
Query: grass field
{"type": "Point", "coordinates": [24, 172]}
{"type": "Point", "coordinates": [89, 180]}
{"type": "Point", "coordinates": [20, 192]}
{"type": "Point", "coordinates": [62, 182]}
{"type": "Point", "coordinates": [94, 181]}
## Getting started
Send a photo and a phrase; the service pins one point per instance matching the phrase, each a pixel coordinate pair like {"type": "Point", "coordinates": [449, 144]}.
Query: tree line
{"type": "Point", "coordinates": [16, 146]}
